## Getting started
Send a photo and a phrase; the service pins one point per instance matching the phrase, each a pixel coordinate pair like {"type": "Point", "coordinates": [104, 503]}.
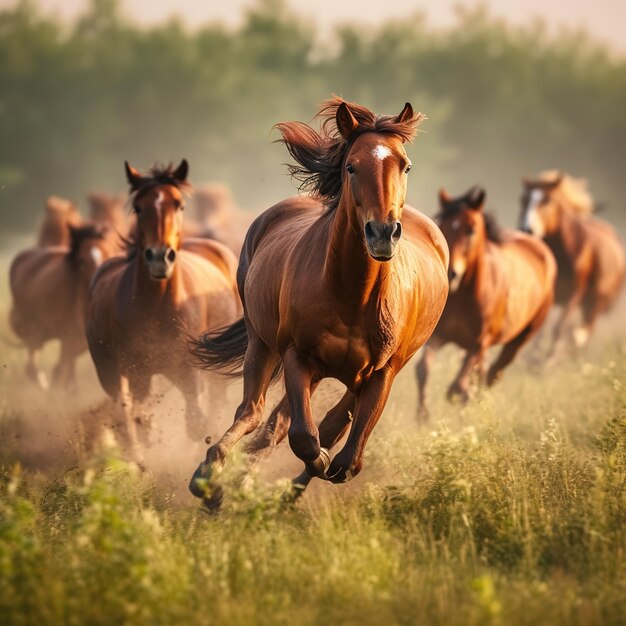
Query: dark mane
{"type": "Point", "coordinates": [160, 174]}
{"type": "Point", "coordinates": [320, 154]}
{"type": "Point", "coordinates": [79, 234]}
{"type": "Point", "coordinates": [492, 227]}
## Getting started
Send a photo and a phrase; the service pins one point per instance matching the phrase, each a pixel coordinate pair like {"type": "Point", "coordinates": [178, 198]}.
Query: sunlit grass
{"type": "Point", "coordinates": [509, 511]}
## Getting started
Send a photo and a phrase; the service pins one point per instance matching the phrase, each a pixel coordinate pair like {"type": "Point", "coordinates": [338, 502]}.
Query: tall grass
{"type": "Point", "coordinates": [511, 515]}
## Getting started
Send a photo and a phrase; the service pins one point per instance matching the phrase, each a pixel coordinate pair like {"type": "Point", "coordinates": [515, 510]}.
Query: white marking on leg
{"type": "Point", "coordinates": [381, 152]}
{"type": "Point", "coordinates": [96, 255]}
{"type": "Point", "coordinates": [581, 337]}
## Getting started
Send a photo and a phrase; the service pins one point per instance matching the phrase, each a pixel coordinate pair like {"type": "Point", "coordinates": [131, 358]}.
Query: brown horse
{"type": "Point", "coordinates": [108, 210]}
{"type": "Point", "coordinates": [588, 252]}
{"type": "Point", "coordinates": [60, 214]}
{"type": "Point", "coordinates": [501, 289]}
{"type": "Point", "coordinates": [346, 284]}
{"type": "Point", "coordinates": [217, 217]}
{"type": "Point", "coordinates": [144, 306]}
{"type": "Point", "coordinates": [49, 288]}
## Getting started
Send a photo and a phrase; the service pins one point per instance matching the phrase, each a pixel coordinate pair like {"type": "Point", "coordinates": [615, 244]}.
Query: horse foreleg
{"type": "Point", "coordinates": [460, 385]}
{"type": "Point", "coordinates": [332, 428]}
{"type": "Point", "coordinates": [507, 354]}
{"type": "Point", "coordinates": [126, 423]}
{"type": "Point", "coordinates": [258, 366]}
{"type": "Point", "coordinates": [186, 380]}
{"type": "Point", "coordinates": [369, 406]}
{"type": "Point", "coordinates": [303, 433]}
{"type": "Point", "coordinates": [422, 371]}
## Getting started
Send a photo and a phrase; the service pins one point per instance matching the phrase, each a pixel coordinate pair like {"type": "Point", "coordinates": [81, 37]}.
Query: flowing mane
{"type": "Point", "coordinates": [160, 174]}
{"type": "Point", "coordinates": [573, 189]}
{"type": "Point", "coordinates": [319, 155]}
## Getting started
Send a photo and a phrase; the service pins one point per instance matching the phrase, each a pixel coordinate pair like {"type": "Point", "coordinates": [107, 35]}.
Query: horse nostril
{"type": "Point", "coordinates": [396, 233]}
{"type": "Point", "coordinates": [369, 231]}
{"type": "Point", "coordinates": [452, 274]}
{"type": "Point", "coordinates": [149, 255]}
{"type": "Point", "coordinates": [170, 255]}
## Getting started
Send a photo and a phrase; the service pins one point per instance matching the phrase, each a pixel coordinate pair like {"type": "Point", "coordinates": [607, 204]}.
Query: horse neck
{"type": "Point", "coordinates": [348, 266]}
{"type": "Point", "coordinates": [563, 241]}
{"type": "Point", "coordinates": [155, 292]}
{"type": "Point", "coordinates": [475, 271]}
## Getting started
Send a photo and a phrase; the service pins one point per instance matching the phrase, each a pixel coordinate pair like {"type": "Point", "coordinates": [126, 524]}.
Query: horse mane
{"type": "Point", "coordinates": [573, 189]}
{"type": "Point", "coordinates": [79, 234]}
{"type": "Point", "coordinates": [319, 155]}
{"type": "Point", "coordinates": [493, 229]}
{"type": "Point", "coordinates": [161, 174]}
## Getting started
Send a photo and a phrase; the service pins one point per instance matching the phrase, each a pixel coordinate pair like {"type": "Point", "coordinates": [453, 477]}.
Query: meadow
{"type": "Point", "coordinates": [511, 510]}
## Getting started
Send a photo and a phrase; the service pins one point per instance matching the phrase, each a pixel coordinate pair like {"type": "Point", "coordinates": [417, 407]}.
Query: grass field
{"type": "Point", "coordinates": [509, 511]}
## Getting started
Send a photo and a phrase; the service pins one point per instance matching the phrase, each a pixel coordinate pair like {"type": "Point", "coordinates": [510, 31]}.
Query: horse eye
{"type": "Point", "coordinates": [409, 167]}
{"type": "Point", "coordinates": [350, 168]}
{"type": "Point", "coordinates": [137, 208]}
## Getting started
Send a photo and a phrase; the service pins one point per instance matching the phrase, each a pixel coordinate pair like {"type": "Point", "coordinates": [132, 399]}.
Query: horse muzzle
{"type": "Point", "coordinates": [382, 239]}
{"type": "Point", "coordinates": [160, 262]}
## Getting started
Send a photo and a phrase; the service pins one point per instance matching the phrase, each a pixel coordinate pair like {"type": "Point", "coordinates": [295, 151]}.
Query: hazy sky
{"type": "Point", "coordinates": [603, 18]}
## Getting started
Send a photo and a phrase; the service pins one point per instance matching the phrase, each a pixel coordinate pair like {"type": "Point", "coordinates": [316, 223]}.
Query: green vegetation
{"type": "Point", "coordinates": [501, 513]}
{"type": "Point", "coordinates": [502, 102]}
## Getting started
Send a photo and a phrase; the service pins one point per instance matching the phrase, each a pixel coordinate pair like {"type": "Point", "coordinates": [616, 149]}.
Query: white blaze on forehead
{"type": "Point", "coordinates": [158, 203]}
{"type": "Point", "coordinates": [381, 152]}
{"type": "Point", "coordinates": [96, 255]}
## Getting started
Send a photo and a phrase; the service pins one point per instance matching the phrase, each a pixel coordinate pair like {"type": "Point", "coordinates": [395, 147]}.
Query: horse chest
{"type": "Point", "coordinates": [351, 350]}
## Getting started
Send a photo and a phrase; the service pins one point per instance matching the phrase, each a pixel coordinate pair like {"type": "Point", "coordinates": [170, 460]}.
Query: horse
{"type": "Point", "coordinates": [346, 283]}
{"type": "Point", "coordinates": [501, 290]}
{"type": "Point", "coordinates": [144, 306]}
{"type": "Point", "coordinates": [49, 290]}
{"type": "Point", "coordinates": [217, 217]}
{"type": "Point", "coordinates": [59, 214]}
{"type": "Point", "coordinates": [108, 209]}
{"type": "Point", "coordinates": [590, 257]}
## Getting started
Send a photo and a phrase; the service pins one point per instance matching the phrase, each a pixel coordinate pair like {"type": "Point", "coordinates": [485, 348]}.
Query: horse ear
{"type": "Point", "coordinates": [182, 171]}
{"type": "Point", "coordinates": [135, 179]}
{"type": "Point", "coordinates": [444, 197]}
{"type": "Point", "coordinates": [477, 198]}
{"type": "Point", "coordinates": [406, 114]}
{"type": "Point", "coordinates": [346, 122]}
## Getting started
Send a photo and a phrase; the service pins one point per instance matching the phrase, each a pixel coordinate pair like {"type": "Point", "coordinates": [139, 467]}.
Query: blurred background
{"type": "Point", "coordinates": [509, 88]}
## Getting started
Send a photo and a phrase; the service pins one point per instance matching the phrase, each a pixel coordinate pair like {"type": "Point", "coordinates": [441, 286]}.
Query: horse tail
{"type": "Point", "coordinates": [224, 351]}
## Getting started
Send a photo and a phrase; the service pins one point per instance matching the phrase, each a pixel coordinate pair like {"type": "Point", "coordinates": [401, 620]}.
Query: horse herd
{"type": "Point", "coordinates": [345, 282]}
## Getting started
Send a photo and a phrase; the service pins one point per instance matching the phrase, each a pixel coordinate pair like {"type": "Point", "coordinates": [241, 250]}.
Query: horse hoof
{"type": "Point", "coordinates": [213, 503]}
{"type": "Point", "coordinates": [320, 465]}
{"type": "Point", "coordinates": [199, 483]}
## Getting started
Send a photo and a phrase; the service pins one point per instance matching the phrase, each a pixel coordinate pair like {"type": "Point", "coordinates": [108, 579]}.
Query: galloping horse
{"type": "Point", "coordinates": [588, 252]}
{"type": "Point", "coordinates": [144, 306]}
{"type": "Point", "coordinates": [59, 215]}
{"type": "Point", "coordinates": [346, 284]}
{"type": "Point", "coordinates": [49, 288]}
{"type": "Point", "coordinates": [501, 290]}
